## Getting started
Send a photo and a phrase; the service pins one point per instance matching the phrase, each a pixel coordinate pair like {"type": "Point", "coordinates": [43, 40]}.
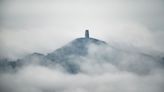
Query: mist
{"type": "Point", "coordinates": [43, 26]}
{"type": "Point", "coordinates": [133, 30]}
{"type": "Point", "coordinates": [104, 69]}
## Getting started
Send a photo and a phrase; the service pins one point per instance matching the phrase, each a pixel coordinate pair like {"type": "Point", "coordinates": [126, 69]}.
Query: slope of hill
{"type": "Point", "coordinates": [70, 55]}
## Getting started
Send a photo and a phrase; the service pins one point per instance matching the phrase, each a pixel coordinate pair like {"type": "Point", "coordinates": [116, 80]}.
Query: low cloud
{"type": "Point", "coordinates": [132, 28]}
{"type": "Point", "coordinates": [102, 70]}
{"type": "Point", "coordinates": [43, 79]}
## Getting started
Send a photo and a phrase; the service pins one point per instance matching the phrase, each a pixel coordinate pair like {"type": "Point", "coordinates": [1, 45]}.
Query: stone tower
{"type": "Point", "coordinates": [86, 33]}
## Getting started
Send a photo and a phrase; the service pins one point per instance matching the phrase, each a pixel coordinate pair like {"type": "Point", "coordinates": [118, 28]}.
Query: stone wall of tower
{"type": "Point", "coordinates": [86, 33]}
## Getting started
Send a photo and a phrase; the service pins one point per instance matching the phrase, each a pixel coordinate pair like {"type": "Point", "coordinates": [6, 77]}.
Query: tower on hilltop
{"type": "Point", "coordinates": [86, 33]}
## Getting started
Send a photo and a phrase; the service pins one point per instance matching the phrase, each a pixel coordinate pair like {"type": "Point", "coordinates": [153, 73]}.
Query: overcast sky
{"type": "Point", "coordinates": [28, 26]}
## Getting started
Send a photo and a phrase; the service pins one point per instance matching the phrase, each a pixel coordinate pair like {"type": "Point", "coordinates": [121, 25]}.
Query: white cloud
{"type": "Point", "coordinates": [102, 70]}
{"type": "Point", "coordinates": [132, 25]}
{"type": "Point", "coordinates": [42, 79]}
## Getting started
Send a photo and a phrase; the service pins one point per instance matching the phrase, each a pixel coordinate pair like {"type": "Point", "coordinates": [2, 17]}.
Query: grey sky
{"type": "Point", "coordinates": [43, 25]}
{"type": "Point", "coordinates": [28, 26]}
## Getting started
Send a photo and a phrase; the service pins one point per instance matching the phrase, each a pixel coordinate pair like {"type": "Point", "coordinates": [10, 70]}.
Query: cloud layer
{"type": "Point", "coordinates": [42, 79]}
{"type": "Point", "coordinates": [102, 70]}
{"type": "Point", "coordinates": [133, 26]}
